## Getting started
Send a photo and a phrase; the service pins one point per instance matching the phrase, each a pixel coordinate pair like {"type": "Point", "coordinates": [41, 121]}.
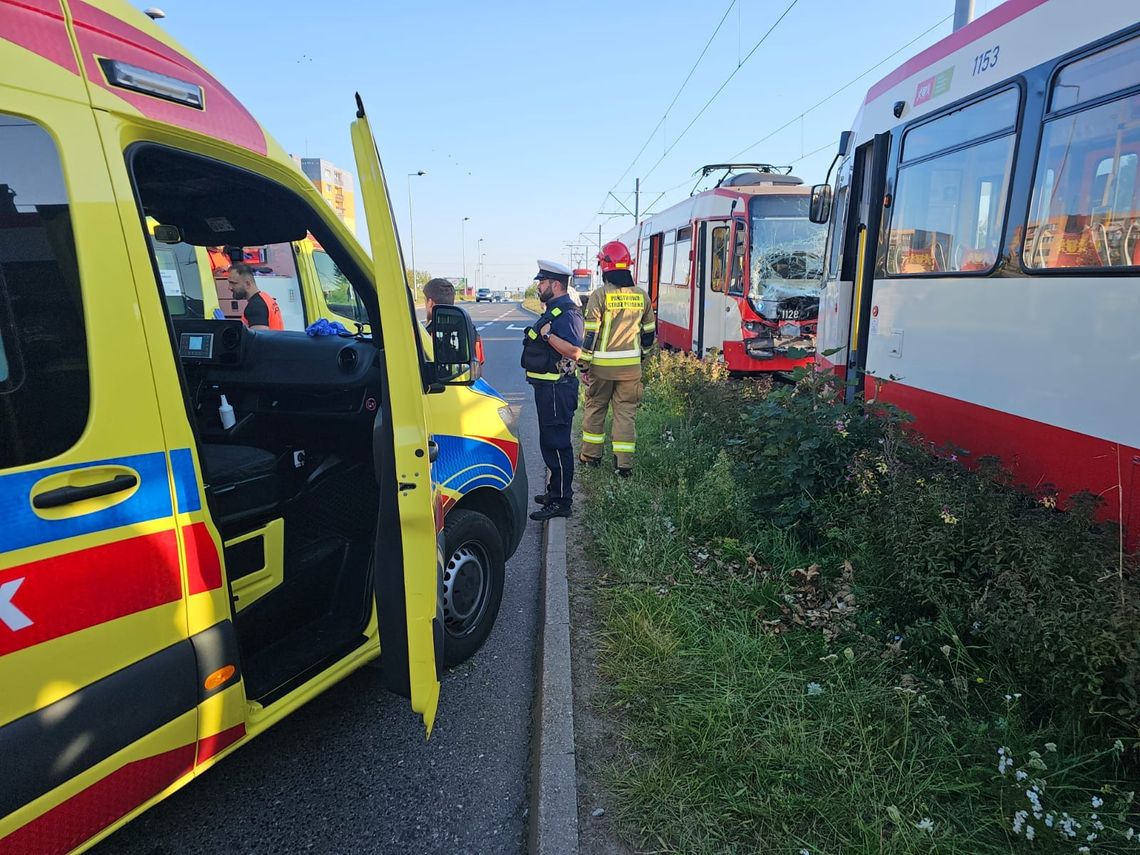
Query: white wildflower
{"type": "Point", "coordinates": [1029, 832]}
{"type": "Point", "coordinates": [1118, 746]}
{"type": "Point", "coordinates": [1083, 850]}
{"type": "Point", "coordinates": [925, 824]}
{"type": "Point", "coordinates": [804, 852]}
{"type": "Point", "coordinates": [1092, 837]}
{"type": "Point", "coordinates": [1021, 775]}
{"type": "Point", "coordinates": [814, 689]}
{"type": "Point", "coordinates": [1097, 801]}
{"type": "Point", "coordinates": [1069, 826]}
{"type": "Point", "coordinates": [1006, 760]}
{"type": "Point", "coordinates": [1129, 834]}
{"type": "Point", "coordinates": [1048, 820]}
{"type": "Point", "coordinates": [1050, 746]}
{"type": "Point", "coordinates": [1019, 821]}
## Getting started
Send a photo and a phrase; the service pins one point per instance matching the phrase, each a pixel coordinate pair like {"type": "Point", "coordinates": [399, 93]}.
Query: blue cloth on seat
{"type": "Point", "coordinates": [326, 327]}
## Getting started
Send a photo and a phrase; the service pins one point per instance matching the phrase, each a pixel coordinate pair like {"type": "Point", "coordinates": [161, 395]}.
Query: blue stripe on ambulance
{"type": "Point", "coordinates": [23, 527]}
{"type": "Point", "coordinates": [185, 481]}
{"type": "Point", "coordinates": [463, 464]}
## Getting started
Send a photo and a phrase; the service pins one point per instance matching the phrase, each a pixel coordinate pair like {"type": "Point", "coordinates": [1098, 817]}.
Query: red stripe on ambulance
{"type": "Point", "coordinates": [38, 26]}
{"type": "Point", "coordinates": [203, 568]}
{"type": "Point", "coordinates": [210, 746]}
{"type": "Point", "coordinates": [102, 35]}
{"type": "Point", "coordinates": [67, 825]}
{"type": "Point", "coordinates": [57, 596]}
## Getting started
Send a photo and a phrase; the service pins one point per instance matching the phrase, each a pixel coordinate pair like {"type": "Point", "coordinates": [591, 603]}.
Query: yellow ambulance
{"type": "Point", "coordinates": [203, 526]}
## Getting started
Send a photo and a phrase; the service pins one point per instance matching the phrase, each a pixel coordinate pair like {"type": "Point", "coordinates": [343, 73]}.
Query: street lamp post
{"type": "Point", "coordinates": [463, 251]}
{"type": "Point", "coordinates": [412, 226]}
{"type": "Point", "coordinates": [480, 271]}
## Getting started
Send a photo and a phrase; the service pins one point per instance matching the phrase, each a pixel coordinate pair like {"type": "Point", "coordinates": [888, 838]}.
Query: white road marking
{"type": "Point", "coordinates": [513, 327]}
{"type": "Point", "coordinates": [480, 329]}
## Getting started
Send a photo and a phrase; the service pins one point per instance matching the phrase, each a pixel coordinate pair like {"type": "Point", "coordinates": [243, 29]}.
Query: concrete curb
{"type": "Point", "coordinates": [529, 311]}
{"type": "Point", "coordinates": [554, 779]}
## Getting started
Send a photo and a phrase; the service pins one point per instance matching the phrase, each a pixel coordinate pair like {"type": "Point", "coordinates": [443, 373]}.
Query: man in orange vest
{"type": "Point", "coordinates": [261, 310]}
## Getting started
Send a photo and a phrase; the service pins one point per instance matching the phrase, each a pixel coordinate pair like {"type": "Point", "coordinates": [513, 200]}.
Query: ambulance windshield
{"type": "Point", "coordinates": [787, 249]}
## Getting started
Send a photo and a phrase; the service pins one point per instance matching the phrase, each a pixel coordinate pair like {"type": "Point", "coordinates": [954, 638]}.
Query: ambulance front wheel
{"type": "Point", "coordinates": [474, 570]}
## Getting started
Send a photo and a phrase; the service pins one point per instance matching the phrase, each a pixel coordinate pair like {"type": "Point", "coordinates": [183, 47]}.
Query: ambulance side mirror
{"type": "Point", "coordinates": [453, 343]}
{"type": "Point", "coordinates": [820, 207]}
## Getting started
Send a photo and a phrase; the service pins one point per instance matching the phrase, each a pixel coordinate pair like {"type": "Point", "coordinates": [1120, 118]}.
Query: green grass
{"type": "Point", "coordinates": [707, 673]}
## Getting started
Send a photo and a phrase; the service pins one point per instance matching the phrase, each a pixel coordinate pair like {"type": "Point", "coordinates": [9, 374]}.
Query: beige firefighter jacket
{"type": "Point", "coordinates": [619, 327]}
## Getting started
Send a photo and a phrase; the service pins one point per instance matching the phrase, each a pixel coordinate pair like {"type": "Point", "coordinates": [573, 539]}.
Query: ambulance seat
{"type": "Point", "coordinates": [242, 483]}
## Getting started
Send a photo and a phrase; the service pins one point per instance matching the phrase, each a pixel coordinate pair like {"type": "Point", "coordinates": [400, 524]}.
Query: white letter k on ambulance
{"type": "Point", "coordinates": [9, 614]}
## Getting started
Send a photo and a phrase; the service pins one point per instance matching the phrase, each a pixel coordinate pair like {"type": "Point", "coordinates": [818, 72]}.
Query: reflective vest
{"type": "Point", "coordinates": [620, 325]}
{"type": "Point", "coordinates": [539, 359]}
{"type": "Point", "coordinates": [276, 322]}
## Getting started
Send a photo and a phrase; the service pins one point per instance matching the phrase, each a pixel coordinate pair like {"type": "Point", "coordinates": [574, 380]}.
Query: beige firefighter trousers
{"type": "Point", "coordinates": [623, 396]}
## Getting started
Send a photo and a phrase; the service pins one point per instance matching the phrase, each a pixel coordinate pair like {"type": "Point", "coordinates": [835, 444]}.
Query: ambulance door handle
{"type": "Point", "coordinates": [69, 495]}
{"type": "Point", "coordinates": [433, 450]}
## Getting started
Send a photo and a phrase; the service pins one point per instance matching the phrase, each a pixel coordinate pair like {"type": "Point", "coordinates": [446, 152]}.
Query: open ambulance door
{"type": "Point", "coordinates": [409, 603]}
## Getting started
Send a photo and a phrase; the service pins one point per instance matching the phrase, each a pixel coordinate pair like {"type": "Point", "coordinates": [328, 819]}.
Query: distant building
{"type": "Point", "coordinates": [335, 184]}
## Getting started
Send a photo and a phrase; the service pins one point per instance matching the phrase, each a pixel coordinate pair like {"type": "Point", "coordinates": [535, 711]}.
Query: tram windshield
{"type": "Point", "coordinates": [787, 249]}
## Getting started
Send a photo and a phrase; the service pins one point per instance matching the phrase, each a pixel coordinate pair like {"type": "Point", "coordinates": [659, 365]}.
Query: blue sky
{"type": "Point", "coordinates": [524, 116]}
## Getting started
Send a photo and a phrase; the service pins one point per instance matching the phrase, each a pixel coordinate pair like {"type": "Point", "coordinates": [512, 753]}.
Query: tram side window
{"type": "Point", "coordinates": [44, 381]}
{"type": "Point", "coordinates": [684, 245]}
{"type": "Point", "coordinates": [737, 282]}
{"type": "Point", "coordinates": [667, 254]}
{"type": "Point", "coordinates": [953, 187]}
{"type": "Point", "coordinates": [719, 258]}
{"type": "Point", "coordinates": [1086, 205]}
{"type": "Point", "coordinates": [643, 265]}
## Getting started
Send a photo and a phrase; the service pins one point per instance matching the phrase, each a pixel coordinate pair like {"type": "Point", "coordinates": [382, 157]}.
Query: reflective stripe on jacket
{"type": "Point", "coordinates": [616, 320]}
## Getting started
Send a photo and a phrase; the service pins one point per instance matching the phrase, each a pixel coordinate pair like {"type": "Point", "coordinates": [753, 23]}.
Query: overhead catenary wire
{"type": "Point", "coordinates": [794, 118]}
{"type": "Point", "coordinates": [842, 88]}
{"type": "Point", "coordinates": [676, 95]}
{"type": "Point", "coordinates": [798, 117]}
{"type": "Point", "coordinates": [720, 88]}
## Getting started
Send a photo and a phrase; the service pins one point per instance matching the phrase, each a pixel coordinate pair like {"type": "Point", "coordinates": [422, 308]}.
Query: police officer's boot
{"type": "Point", "coordinates": [554, 508]}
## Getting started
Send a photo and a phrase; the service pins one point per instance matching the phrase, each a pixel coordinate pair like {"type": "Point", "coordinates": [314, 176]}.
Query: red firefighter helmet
{"type": "Point", "coordinates": [614, 256]}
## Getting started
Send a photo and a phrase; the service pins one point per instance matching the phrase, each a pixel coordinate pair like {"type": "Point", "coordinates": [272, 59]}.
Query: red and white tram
{"type": "Point", "coordinates": [985, 245]}
{"type": "Point", "coordinates": [735, 269]}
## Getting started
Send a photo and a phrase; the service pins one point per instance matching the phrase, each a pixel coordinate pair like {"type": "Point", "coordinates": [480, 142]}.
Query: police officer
{"type": "Point", "coordinates": [551, 347]}
{"type": "Point", "coordinates": [620, 327]}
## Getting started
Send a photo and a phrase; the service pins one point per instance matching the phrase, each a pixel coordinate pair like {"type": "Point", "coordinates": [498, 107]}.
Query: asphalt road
{"type": "Point", "coordinates": [351, 771]}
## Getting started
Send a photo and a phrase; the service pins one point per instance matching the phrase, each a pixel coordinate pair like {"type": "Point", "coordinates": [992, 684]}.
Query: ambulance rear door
{"type": "Point", "coordinates": [410, 607]}
{"type": "Point", "coordinates": [99, 680]}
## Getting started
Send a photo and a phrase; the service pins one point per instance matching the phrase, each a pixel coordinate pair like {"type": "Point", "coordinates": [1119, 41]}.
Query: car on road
{"type": "Point", "coordinates": [483, 295]}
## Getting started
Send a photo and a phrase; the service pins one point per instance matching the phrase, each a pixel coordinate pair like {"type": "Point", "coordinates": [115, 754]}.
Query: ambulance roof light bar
{"type": "Point", "coordinates": [163, 86]}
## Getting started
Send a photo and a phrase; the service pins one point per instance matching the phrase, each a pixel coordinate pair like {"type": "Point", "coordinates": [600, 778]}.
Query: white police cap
{"type": "Point", "coordinates": [552, 270]}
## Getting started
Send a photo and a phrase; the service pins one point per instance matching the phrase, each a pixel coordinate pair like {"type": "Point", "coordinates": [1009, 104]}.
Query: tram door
{"type": "Point", "coordinates": [712, 275]}
{"type": "Point", "coordinates": [871, 170]}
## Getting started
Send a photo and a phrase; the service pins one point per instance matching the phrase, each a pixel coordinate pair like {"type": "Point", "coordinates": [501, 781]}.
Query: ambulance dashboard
{"type": "Point", "coordinates": [278, 370]}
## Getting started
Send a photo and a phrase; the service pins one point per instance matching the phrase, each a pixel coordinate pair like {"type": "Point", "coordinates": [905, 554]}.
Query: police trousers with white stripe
{"type": "Point", "coordinates": [623, 396]}
{"type": "Point", "coordinates": [556, 403]}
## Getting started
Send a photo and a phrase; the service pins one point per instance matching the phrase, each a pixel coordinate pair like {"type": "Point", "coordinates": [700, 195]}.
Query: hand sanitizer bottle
{"type": "Point", "coordinates": [226, 414]}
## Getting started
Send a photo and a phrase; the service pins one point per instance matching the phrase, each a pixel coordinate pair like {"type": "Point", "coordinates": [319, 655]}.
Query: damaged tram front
{"type": "Point", "coordinates": [736, 269]}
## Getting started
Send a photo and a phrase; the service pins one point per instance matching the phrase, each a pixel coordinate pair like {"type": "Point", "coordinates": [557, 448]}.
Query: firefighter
{"type": "Point", "coordinates": [551, 347]}
{"type": "Point", "coordinates": [620, 327]}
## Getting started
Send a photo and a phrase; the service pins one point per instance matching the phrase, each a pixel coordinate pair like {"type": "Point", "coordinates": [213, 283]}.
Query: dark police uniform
{"type": "Point", "coordinates": [555, 383]}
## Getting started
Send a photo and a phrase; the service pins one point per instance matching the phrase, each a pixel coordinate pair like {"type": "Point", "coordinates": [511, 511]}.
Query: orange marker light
{"type": "Point", "coordinates": [219, 677]}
